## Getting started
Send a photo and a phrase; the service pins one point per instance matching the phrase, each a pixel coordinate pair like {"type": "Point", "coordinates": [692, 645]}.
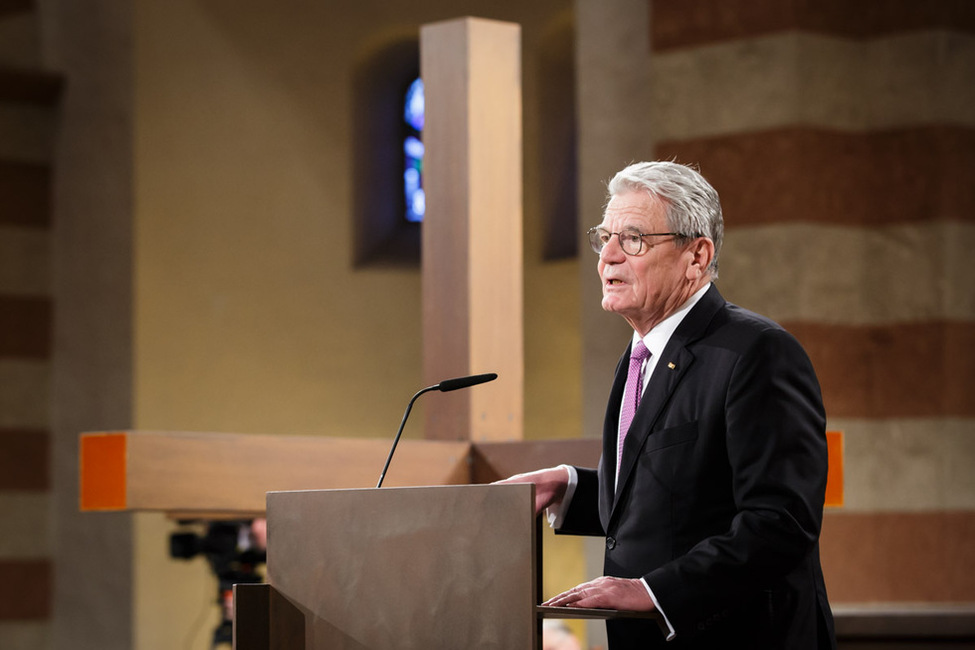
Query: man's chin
{"type": "Point", "coordinates": [611, 305]}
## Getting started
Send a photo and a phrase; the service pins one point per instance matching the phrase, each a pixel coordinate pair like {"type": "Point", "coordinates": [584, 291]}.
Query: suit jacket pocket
{"type": "Point", "coordinates": [670, 437]}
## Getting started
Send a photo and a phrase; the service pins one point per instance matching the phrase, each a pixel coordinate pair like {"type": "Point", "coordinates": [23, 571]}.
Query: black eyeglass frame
{"type": "Point", "coordinates": [597, 244]}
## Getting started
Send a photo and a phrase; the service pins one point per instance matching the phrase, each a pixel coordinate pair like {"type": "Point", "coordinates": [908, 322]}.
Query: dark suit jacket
{"type": "Point", "coordinates": [721, 488]}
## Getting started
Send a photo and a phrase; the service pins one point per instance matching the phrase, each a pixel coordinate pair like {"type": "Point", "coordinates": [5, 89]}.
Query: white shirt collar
{"type": "Point", "coordinates": [657, 338]}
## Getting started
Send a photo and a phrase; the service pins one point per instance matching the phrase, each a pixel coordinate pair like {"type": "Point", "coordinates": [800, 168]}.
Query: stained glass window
{"type": "Point", "coordinates": [413, 152]}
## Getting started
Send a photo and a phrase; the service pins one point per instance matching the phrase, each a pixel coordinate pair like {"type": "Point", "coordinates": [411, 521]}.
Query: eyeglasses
{"type": "Point", "coordinates": [631, 239]}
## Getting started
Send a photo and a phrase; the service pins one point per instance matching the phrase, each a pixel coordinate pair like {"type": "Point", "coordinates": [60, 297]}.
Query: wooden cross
{"type": "Point", "coordinates": [472, 323]}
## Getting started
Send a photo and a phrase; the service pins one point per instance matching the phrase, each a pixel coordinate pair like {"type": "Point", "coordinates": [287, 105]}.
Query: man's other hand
{"type": "Point", "coordinates": [626, 594]}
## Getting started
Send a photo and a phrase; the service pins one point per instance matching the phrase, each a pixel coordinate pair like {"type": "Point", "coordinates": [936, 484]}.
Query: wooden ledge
{"type": "Point", "coordinates": [905, 621]}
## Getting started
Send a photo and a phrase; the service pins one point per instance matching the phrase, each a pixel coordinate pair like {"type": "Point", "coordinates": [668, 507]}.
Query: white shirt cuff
{"type": "Point", "coordinates": [555, 513]}
{"type": "Point", "coordinates": [670, 628]}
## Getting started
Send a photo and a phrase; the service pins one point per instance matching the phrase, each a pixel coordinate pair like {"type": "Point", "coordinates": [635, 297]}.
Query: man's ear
{"type": "Point", "coordinates": [701, 252]}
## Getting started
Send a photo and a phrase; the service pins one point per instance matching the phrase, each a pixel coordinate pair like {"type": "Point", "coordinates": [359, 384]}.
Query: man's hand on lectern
{"type": "Point", "coordinates": [549, 485]}
{"type": "Point", "coordinates": [625, 594]}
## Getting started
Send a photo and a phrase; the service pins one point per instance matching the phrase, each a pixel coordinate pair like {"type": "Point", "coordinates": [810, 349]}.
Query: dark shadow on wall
{"type": "Point", "coordinates": [382, 235]}
{"type": "Point", "coordinates": [558, 142]}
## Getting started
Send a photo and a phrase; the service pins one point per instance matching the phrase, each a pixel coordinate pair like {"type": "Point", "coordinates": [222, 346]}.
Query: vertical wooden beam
{"type": "Point", "coordinates": [472, 232]}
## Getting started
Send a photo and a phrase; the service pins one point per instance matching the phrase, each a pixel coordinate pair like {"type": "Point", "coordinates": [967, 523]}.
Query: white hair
{"type": "Point", "coordinates": [693, 206]}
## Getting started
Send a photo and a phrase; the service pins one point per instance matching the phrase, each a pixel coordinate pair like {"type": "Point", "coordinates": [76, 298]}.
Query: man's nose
{"type": "Point", "coordinates": [612, 252]}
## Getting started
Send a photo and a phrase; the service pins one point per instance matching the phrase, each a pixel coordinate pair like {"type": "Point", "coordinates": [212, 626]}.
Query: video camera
{"type": "Point", "coordinates": [233, 557]}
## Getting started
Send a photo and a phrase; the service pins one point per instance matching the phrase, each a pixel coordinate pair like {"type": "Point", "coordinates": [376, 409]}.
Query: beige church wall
{"type": "Point", "coordinates": [250, 315]}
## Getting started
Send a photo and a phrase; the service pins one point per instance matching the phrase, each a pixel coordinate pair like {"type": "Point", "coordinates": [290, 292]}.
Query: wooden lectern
{"type": "Point", "coordinates": [396, 568]}
{"type": "Point", "coordinates": [399, 568]}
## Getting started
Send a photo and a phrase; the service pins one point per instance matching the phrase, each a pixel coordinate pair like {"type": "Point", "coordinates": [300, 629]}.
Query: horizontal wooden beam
{"type": "Point", "coordinates": [209, 475]}
{"type": "Point", "coordinates": [214, 473]}
{"type": "Point", "coordinates": [224, 474]}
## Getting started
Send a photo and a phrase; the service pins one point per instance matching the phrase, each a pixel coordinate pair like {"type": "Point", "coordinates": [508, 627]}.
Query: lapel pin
{"type": "Point", "coordinates": [671, 365]}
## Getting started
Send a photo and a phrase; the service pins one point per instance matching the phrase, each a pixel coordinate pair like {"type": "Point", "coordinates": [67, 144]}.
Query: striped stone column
{"type": "Point", "coordinates": [841, 138]}
{"type": "Point", "coordinates": [28, 112]}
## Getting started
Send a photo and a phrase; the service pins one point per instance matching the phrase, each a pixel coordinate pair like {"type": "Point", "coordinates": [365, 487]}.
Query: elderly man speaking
{"type": "Point", "coordinates": [711, 483]}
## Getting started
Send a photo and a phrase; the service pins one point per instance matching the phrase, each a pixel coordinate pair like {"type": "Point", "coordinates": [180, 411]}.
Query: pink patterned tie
{"type": "Point", "coordinates": [631, 397]}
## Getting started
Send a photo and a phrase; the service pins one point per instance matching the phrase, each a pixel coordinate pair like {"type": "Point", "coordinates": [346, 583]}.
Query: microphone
{"type": "Point", "coordinates": [464, 382]}
{"type": "Point", "coordinates": [445, 386]}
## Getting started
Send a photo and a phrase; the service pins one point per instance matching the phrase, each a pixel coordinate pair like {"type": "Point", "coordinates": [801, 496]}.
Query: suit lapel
{"type": "Point", "coordinates": [671, 367]}
{"type": "Point", "coordinates": [607, 463]}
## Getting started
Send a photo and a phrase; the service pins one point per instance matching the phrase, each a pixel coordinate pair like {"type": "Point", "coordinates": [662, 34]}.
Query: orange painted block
{"type": "Point", "coordinates": [834, 479]}
{"type": "Point", "coordinates": [103, 471]}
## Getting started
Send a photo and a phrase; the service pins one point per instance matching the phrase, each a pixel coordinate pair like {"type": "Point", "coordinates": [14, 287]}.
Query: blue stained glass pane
{"type": "Point", "coordinates": [411, 180]}
{"type": "Point", "coordinates": [419, 206]}
{"type": "Point", "coordinates": [413, 148]}
{"type": "Point", "coordinates": [413, 113]}
{"type": "Point", "coordinates": [414, 105]}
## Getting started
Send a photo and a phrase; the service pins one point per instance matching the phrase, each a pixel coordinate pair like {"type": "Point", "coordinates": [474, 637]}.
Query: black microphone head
{"type": "Point", "coordinates": [464, 382]}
